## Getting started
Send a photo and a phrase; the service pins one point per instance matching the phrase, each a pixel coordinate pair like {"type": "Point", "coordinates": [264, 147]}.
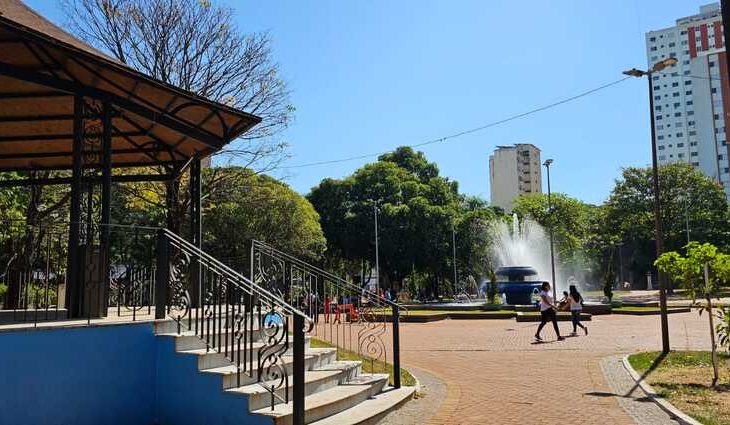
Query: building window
{"type": "Point", "coordinates": [692, 133]}
{"type": "Point", "coordinates": [655, 78]}
{"type": "Point", "coordinates": [671, 44]}
{"type": "Point", "coordinates": [675, 84]}
{"type": "Point", "coordinates": [657, 97]}
{"type": "Point", "coordinates": [662, 157]}
{"type": "Point", "coordinates": [689, 103]}
{"type": "Point", "coordinates": [680, 145]}
{"type": "Point", "coordinates": [675, 94]}
{"type": "Point", "coordinates": [693, 154]}
{"type": "Point", "coordinates": [658, 117]}
{"type": "Point", "coordinates": [712, 64]}
{"type": "Point", "coordinates": [680, 134]}
{"type": "Point", "coordinates": [690, 123]}
{"type": "Point", "coordinates": [658, 108]}
{"type": "Point", "coordinates": [716, 116]}
{"type": "Point", "coordinates": [688, 93]}
{"type": "Point", "coordinates": [658, 88]}
{"type": "Point", "coordinates": [660, 138]}
{"type": "Point", "coordinates": [690, 113]}
{"type": "Point", "coordinates": [677, 104]}
{"type": "Point", "coordinates": [693, 143]}
{"type": "Point", "coordinates": [681, 155]}
{"type": "Point", "coordinates": [688, 82]}
{"type": "Point", "coordinates": [713, 90]}
{"type": "Point", "coordinates": [678, 114]}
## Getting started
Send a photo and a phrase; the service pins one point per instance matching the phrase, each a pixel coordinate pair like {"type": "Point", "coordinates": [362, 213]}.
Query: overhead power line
{"type": "Point", "coordinates": [469, 131]}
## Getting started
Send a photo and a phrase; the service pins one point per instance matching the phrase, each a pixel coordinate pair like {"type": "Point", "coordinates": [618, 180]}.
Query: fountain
{"type": "Point", "coordinates": [522, 255]}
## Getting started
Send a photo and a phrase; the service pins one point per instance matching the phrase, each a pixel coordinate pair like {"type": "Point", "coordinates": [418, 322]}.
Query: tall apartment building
{"type": "Point", "coordinates": [514, 170]}
{"type": "Point", "coordinates": [692, 98]}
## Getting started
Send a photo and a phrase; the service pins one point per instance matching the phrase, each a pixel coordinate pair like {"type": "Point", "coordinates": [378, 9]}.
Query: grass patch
{"type": "Point", "coordinates": [368, 365]}
{"type": "Point", "coordinates": [637, 308]}
{"type": "Point", "coordinates": [684, 378]}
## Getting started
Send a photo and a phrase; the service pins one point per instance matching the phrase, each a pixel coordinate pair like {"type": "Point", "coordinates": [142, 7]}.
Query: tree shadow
{"type": "Point", "coordinates": [655, 364]}
{"type": "Point", "coordinates": [605, 394]}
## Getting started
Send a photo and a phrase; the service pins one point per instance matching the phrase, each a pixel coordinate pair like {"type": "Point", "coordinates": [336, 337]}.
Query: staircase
{"type": "Point", "coordinates": [336, 392]}
{"type": "Point", "coordinates": [253, 348]}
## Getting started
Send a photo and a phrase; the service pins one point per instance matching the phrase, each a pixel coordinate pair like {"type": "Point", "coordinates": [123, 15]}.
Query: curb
{"type": "Point", "coordinates": [665, 405]}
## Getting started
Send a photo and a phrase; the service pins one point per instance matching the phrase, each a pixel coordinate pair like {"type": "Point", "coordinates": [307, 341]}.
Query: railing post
{"type": "Point", "coordinates": [396, 346]}
{"type": "Point", "coordinates": [162, 275]}
{"type": "Point", "coordinates": [299, 366]}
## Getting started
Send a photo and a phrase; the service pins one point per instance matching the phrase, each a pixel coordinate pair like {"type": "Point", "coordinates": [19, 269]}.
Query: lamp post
{"type": "Point", "coordinates": [633, 72]}
{"type": "Point", "coordinates": [547, 164]}
{"type": "Point", "coordinates": [453, 245]}
{"type": "Point", "coordinates": [377, 256]}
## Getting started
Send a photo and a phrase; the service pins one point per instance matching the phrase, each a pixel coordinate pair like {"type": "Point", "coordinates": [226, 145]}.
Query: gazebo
{"type": "Point", "coordinates": [67, 106]}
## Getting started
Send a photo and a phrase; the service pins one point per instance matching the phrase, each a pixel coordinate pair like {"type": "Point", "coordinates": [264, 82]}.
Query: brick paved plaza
{"type": "Point", "coordinates": [494, 374]}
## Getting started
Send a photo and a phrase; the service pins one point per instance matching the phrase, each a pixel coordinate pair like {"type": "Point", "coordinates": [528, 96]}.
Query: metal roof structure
{"type": "Point", "coordinates": [43, 69]}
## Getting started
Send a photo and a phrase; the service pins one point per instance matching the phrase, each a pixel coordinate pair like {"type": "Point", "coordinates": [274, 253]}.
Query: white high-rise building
{"type": "Point", "coordinates": [692, 98]}
{"type": "Point", "coordinates": [513, 171]}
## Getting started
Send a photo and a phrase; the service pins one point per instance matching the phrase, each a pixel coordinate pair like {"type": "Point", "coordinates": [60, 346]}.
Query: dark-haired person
{"type": "Point", "coordinates": [576, 306]}
{"type": "Point", "coordinates": [547, 312]}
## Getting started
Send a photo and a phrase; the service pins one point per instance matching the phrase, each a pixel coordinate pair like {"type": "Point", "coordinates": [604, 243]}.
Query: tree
{"type": "Point", "coordinates": [688, 199]}
{"type": "Point", "coordinates": [261, 208]}
{"type": "Point", "coordinates": [569, 219]}
{"type": "Point", "coordinates": [417, 211]}
{"type": "Point", "coordinates": [701, 272]}
{"type": "Point", "coordinates": [194, 45]}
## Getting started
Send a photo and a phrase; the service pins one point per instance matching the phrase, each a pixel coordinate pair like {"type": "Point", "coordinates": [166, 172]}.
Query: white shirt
{"type": "Point", "coordinates": [545, 295]}
{"type": "Point", "coordinates": [575, 305]}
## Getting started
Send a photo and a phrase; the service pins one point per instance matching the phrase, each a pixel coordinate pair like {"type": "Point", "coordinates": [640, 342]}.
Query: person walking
{"type": "Point", "coordinates": [576, 306]}
{"type": "Point", "coordinates": [547, 312]}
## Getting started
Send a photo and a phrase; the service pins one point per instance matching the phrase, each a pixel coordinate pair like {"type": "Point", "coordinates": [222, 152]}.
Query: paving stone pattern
{"type": "Point", "coordinates": [495, 374]}
{"type": "Point", "coordinates": [630, 396]}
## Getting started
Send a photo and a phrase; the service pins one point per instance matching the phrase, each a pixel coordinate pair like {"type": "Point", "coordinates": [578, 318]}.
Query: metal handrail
{"type": "Point", "coordinates": [371, 322]}
{"type": "Point", "coordinates": [235, 277]}
{"type": "Point", "coordinates": [371, 296]}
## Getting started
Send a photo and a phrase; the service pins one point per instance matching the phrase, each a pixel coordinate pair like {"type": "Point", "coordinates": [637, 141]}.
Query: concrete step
{"type": "Point", "coordinates": [215, 357]}
{"type": "Point", "coordinates": [372, 410]}
{"type": "Point", "coordinates": [314, 381]}
{"type": "Point", "coordinates": [328, 402]}
{"type": "Point", "coordinates": [188, 340]}
{"type": "Point", "coordinates": [315, 358]}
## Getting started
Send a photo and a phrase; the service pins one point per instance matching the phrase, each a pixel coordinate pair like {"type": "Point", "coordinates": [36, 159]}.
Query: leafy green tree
{"type": "Point", "coordinates": [688, 199]}
{"type": "Point", "coordinates": [417, 212]}
{"type": "Point", "coordinates": [259, 207]}
{"type": "Point", "coordinates": [702, 271]}
{"type": "Point", "coordinates": [569, 218]}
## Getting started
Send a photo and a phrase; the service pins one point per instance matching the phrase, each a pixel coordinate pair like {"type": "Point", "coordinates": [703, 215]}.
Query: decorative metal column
{"type": "Point", "coordinates": [73, 276]}
{"type": "Point", "coordinates": [196, 237]}
{"type": "Point", "coordinates": [106, 201]}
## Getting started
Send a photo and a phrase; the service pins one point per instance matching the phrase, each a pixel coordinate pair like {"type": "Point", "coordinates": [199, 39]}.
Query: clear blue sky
{"type": "Point", "coordinates": [368, 76]}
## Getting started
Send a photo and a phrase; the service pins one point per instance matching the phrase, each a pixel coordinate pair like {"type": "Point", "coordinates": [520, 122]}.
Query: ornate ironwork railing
{"type": "Point", "coordinates": [345, 315]}
{"type": "Point", "coordinates": [32, 271]}
{"type": "Point", "coordinates": [248, 324]}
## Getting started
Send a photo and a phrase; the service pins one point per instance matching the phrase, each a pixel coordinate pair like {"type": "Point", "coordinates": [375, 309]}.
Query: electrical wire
{"type": "Point", "coordinates": [469, 131]}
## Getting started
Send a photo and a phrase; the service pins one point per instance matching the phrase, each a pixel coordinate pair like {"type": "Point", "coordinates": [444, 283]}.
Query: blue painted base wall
{"type": "Point", "coordinates": [79, 376]}
{"type": "Point", "coordinates": [109, 375]}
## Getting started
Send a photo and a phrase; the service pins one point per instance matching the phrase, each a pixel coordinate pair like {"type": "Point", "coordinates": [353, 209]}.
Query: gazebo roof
{"type": "Point", "coordinates": [42, 69]}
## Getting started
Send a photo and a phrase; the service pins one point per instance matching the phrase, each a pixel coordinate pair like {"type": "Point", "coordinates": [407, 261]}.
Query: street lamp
{"type": "Point", "coordinates": [547, 164]}
{"type": "Point", "coordinates": [633, 72]}
{"type": "Point", "coordinates": [453, 245]}
{"type": "Point", "coordinates": [377, 256]}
